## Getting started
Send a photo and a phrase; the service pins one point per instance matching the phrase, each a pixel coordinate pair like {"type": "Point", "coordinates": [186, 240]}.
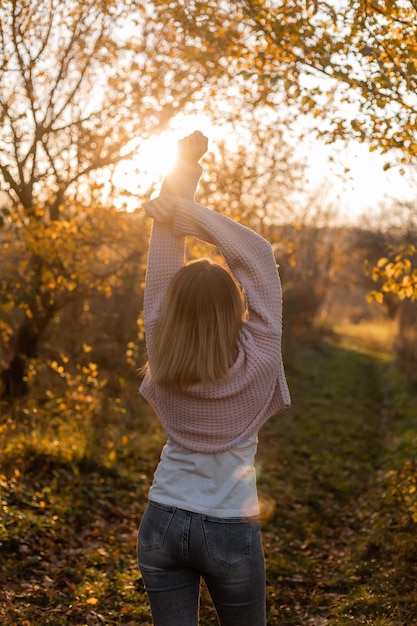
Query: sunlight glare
{"type": "Point", "coordinates": [151, 159]}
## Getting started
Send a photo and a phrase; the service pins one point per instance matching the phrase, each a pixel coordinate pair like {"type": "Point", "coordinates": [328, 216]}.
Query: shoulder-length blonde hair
{"type": "Point", "coordinates": [194, 339]}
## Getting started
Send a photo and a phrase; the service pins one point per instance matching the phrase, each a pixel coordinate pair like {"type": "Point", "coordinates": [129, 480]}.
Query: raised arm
{"type": "Point", "coordinates": [248, 255]}
{"type": "Point", "coordinates": [166, 250]}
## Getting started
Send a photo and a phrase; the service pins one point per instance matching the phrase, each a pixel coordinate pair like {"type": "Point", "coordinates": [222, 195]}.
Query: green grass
{"type": "Point", "coordinates": [341, 544]}
{"type": "Point", "coordinates": [336, 475]}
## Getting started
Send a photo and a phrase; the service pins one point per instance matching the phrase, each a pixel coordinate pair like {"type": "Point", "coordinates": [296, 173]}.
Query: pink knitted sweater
{"type": "Point", "coordinates": [218, 416]}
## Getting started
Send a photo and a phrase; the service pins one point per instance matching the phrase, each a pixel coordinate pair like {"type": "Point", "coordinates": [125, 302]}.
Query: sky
{"type": "Point", "coordinates": [357, 180]}
{"type": "Point", "coordinates": [354, 178]}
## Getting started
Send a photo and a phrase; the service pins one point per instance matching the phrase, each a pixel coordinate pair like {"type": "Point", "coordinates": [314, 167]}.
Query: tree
{"type": "Point", "coordinates": [77, 81]}
{"type": "Point", "coordinates": [254, 176]}
{"type": "Point", "coordinates": [352, 67]}
{"type": "Point", "coordinates": [395, 276]}
{"type": "Point", "coordinates": [394, 273]}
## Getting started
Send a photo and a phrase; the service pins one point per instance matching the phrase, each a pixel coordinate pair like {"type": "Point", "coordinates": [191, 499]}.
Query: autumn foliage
{"type": "Point", "coordinates": [83, 85]}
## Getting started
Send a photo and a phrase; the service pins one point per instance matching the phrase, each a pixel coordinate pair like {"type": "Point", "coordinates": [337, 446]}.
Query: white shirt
{"type": "Point", "coordinates": [220, 484]}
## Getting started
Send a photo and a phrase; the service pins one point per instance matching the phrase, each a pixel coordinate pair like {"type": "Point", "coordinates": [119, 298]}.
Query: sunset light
{"type": "Point", "coordinates": [153, 158]}
{"type": "Point", "coordinates": [208, 212]}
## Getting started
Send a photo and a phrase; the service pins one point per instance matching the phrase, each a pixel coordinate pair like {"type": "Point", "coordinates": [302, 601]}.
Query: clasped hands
{"type": "Point", "coordinates": [190, 149]}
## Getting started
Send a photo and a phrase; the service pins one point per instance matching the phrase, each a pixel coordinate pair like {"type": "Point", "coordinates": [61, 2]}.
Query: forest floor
{"type": "Point", "coordinates": [337, 479]}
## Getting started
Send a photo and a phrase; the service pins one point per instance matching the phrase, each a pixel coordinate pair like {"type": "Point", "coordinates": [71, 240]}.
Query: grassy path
{"type": "Point", "coordinates": [340, 544]}
{"type": "Point", "coordinates": [338, 484]}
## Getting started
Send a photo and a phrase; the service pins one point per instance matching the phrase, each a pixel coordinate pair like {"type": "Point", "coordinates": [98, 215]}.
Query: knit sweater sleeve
{"type": "Point", "coordinates": [249, 257]}
{"type": "Point", "coordinates": [166, 249]}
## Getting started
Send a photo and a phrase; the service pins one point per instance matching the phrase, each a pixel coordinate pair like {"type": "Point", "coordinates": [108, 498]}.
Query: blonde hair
{"type": "Point", "coordinates": [194, 339]}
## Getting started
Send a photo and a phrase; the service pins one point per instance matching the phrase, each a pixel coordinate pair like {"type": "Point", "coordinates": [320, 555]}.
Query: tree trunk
{"type": "Point", "coordinates": [28, 339]}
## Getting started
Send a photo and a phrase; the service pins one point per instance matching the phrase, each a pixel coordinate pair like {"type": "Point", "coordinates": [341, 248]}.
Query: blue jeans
{"type": "Point", "coordinates": [176, 548]}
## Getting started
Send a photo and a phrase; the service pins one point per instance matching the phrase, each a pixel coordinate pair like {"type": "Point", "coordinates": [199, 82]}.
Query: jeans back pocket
{"type": "Point", "coordinates": [154, 526]}
{"type": "Point", "coordinates": [228, 541]}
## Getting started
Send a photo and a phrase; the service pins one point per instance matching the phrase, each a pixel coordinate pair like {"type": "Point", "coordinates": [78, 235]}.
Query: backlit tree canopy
{"type": "Point", "coordinates": [78, 79]}
{"type": "Point", "coordinates": [358, 54]}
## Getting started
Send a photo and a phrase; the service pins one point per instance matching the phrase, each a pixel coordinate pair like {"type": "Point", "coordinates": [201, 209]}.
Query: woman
{"type": "Point", "coordinates": [214, 376]}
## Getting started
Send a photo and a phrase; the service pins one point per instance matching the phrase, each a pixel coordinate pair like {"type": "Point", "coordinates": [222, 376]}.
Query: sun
{"type": "Point", "coordinates": [150, 160]}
